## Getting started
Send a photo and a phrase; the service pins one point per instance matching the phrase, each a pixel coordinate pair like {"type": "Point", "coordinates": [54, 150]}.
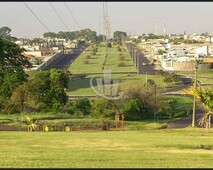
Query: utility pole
{"type": "Point", "coordinates": [155, 103]}
{"type": "Point", "coordinates": [194, 102]}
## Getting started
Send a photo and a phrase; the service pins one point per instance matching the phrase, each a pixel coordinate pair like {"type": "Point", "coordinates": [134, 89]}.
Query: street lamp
{"type": "Point", "coordinates": [194, 102]}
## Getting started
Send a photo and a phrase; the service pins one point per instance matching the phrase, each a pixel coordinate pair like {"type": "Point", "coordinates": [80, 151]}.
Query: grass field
{"type": "Point", "coordinates": [204, 76]}
{"type": "Point", "coordinates": [183, 103]}
{"type": "Point", "coordinates": [107, 149]}
{"type": "Point", "coordinates": [82, 86]}
{"type": "Point", "coordinates": [95, 62]}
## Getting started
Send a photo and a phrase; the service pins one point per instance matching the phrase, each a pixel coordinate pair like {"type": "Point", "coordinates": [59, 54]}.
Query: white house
{"type": "Point", "coordinates": [202, 50]}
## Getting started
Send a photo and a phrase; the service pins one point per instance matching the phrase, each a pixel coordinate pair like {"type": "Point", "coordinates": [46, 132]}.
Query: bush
{"type": "Point", "coordinates": [88, 56]}
{"type": "Point", "coordinates": [121, 58]}
{"type": "Point", "coordinates": [150, 82]}
{"type": "Point", "coordinates": [121, 64]}
{"type": "Point", "coordinates": [109, 45]}
{"type": "Point", "coordinates": [86, 61]}
{"type": "Point", "coordinates": [93, 53]}
{"type": "Point", "coordinates": [119, 48]}
{"type": "Point", "coordinates": [132, 109]}
{"type": "Point", "coordinates": [102, 108]}
{"type": "Point", "coordinates": [83, 106]}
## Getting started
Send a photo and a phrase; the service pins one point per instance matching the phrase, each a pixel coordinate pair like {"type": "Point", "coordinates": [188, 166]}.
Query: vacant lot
{"type": "Point", "coordinates": [107, 149]}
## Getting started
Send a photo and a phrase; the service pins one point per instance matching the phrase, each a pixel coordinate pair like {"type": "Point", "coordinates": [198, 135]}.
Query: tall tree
{"type": "Point", "coordinates": [5, 34]}
{"type": "Point", "coordinates": [205, 97]}
{"type": "Point", "coordinates": [118, 35]}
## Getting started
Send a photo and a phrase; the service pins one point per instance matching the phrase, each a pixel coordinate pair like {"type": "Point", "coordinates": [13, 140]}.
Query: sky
{"type": "Point", "coordinates": [131, 17]}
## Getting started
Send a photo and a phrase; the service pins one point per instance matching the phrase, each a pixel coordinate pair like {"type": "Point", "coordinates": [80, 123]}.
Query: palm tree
{"type": "Point", "coordinates": [205, 96]}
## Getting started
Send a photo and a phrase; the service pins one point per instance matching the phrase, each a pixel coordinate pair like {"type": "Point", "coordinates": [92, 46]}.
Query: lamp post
{"type": "Point", "coordinates": [194, 102]}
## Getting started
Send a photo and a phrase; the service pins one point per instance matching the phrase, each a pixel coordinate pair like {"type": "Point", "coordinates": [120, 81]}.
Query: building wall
{"type": "Point", "coordinates": [189, 66]}
{"type": "Point", "coordinates": [35, 53]}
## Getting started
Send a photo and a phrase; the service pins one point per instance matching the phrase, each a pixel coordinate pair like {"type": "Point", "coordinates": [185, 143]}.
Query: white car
{"type": "Point", "coordinates": [144, 64]}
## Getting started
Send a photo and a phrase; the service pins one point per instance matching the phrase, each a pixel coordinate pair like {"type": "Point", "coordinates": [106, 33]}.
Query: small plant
{"type": "Point", "coordinates": [88, 56]}
{"type": "Point", "coordinates": [119, 48]}
{"type": "Point", "coordinates": [86, 61]}
{"type": "Point", "coordinates": [93, 53]}
{"type": "Point", "coordinates": [121, 58]}
{"type": "Point", "coordinates": [121, 64]}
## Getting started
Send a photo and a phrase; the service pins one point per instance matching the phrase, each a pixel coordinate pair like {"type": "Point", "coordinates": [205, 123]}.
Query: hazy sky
{"type": "Point", "coordinates": [192, 17]}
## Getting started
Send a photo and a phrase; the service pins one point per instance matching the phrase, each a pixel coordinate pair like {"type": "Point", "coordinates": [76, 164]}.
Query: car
{"type": "Point", "coordinates": [144, 64]}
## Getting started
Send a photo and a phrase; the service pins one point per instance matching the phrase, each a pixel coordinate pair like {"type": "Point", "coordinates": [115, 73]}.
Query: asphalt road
{"type": "Point", "coordinates": [65, 60]}
{"type": "Point", "coordinates": [142, 62]}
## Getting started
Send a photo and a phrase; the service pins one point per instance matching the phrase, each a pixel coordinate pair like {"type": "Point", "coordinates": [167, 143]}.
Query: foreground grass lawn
{"type": "Point", "coordinates": [107, 149]}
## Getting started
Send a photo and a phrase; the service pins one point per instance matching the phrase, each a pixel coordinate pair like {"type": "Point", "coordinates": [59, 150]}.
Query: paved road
{"type": "Point", "coordinates": [64, 61]}
{"type": "Point", "coordinates": [141, 62]}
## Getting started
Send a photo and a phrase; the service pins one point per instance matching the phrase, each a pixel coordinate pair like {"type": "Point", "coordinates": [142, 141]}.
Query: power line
{"type": "Point", "coordinates": [36, 16]}
{"type": "Point", "coordinates": [59, 16]}
{"type": "Point", "coordinates": [70, 12]}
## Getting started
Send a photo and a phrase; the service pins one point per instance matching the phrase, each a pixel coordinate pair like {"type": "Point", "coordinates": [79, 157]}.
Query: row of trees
{"type": "Point", "coordinates": [86, 34]}
{"type": "Point", "coordinates": [19, 92]}
{"type": "Point", "coordinates": [12, 64]}
{"type": "Point", "coordinates": [44, 91]}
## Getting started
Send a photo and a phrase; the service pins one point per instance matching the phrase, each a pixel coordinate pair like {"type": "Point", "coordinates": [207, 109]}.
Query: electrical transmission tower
{"type": "Point", "coordinates": [106, 22]}
{"type": "Point", "coordinates": [106, 29]}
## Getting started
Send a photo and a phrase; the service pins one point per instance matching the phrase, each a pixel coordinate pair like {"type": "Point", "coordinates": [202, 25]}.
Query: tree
{"type": "Point", "coordinates": [12, 64]}
{"type": "Point", "coordinates": [150, 82]}
{"type": "Point", "coordinates": [46, 90]}
{"type": "Point", "coordinates": [205, 96]}
{"type": "Point", "coordinates": [133, 109]}
{"type": "Point", "coordinates": [83, 105]}
{"type": "Point", "coordinates": [49, 35]}
{"type": "Point", "coordinates": [11, 57]}
{"type": "Point", "coordinates": [119, 35]}
{"type": "Point", "coordinates": [160, 52]}
{"type": "Point", "coordinates": [145, 95]}
{"type": "Point", "coordinates": [5, 34]}
{"type": "Point", "coordinates": [160, 72]}
{"type": "Point", "coordinates": [12, 75]}
{"type": "Point", "coordinates": [105, 109]}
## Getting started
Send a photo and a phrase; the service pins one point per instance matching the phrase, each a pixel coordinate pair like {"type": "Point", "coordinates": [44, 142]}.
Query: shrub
{"type": "Point", "coordinates": [119, 48]}
{"type": "Point", "coordinates": [121, 58]}
{"type": "Point", "coordinates": [93, 53]}
{"type": "Point", "coordinates": [150, 82]}
{"type": "Point", "coordinates": [86, 61]}
{"type": "Point", "coordinates": [83, 106]}
{"type": "Point", "coordinates": [109, 45]}
{"type": "Point", "coordinates": [88, 56]}
{"type": "Point", "coordinates": [121, 64]}
{"type": "Point", "coordinates": [102, 108]}
{"type": "Point", "coordinates": [132, 109]}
